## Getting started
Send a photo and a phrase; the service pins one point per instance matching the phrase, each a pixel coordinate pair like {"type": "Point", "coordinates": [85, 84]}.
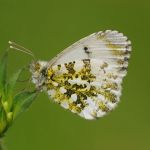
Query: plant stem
{"type": "Point", "coordinates": [2, 147]}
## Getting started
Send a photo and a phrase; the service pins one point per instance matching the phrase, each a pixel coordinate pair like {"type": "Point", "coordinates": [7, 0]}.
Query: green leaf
{"type": "Point", "coordinates": [12, 82]}
{"type": "Point", "coordinates": [3, 120]}
{"type": "Point", "coordinates": [10, 87]}
{"type": "Point", "coordinates": [22, 101]}
{"type": "Point", "coordinates": [3, 69]}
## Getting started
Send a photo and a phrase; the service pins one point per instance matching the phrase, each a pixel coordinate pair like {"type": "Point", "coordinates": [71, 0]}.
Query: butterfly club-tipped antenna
{"type": "Point", "coordinates": [17, 47]}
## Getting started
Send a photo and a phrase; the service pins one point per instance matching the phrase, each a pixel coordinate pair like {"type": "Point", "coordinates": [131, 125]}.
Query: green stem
{"type": "Point", "coordinates": [2, 147]}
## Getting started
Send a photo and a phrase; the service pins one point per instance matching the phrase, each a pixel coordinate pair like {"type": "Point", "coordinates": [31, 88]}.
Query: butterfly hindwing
{"type": "Point", "coordinates": [88, 87]}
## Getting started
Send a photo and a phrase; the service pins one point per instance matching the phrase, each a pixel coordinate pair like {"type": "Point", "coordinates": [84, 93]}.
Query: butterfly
{"type": "Point", "coordinates": [86, 78]}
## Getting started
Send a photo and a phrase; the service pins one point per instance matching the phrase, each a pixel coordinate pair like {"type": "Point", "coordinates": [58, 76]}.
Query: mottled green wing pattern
{"type": "Point", "coordinates": [89, 87]}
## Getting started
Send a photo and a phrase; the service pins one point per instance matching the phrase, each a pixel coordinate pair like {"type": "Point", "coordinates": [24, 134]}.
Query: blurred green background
{"type": "Point", "coordinates": [49, 26]}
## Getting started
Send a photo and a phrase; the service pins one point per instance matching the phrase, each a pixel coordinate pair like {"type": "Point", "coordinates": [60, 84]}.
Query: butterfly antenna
{"type": "Point", "coordinates": [20, 48]}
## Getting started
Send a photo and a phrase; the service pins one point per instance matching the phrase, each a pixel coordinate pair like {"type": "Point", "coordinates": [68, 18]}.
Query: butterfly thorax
{"type": "Point", "coordinates": [38, 70]}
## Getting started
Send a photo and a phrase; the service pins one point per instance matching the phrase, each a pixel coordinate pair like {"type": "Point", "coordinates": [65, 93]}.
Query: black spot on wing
{"type": "Point", "coordinates": [86, 50]}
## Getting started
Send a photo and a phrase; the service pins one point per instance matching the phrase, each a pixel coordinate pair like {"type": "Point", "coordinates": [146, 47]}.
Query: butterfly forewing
{"type": "Point", "coordinates": [101, 45]}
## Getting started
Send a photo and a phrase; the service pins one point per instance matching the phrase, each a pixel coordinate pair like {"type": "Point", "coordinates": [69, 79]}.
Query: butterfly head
{"type": "Point", "coordinates": [38, 70]}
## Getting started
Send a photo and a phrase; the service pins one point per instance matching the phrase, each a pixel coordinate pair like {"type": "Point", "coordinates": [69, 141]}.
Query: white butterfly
{"type": "Point", "coordinates": [86, 77]}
